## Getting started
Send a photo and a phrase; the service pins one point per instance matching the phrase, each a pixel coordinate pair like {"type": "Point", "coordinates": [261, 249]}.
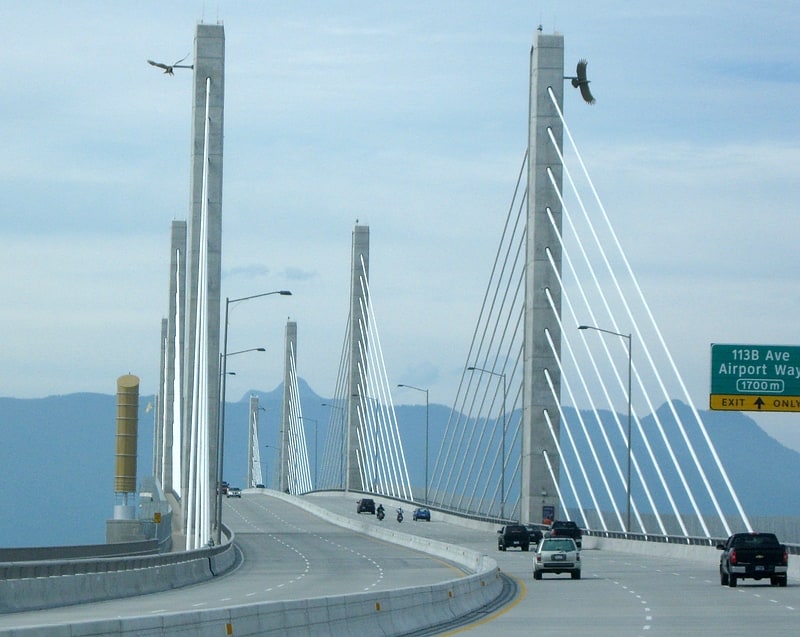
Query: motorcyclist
{"type": "Point", "coordinates": [380, 512]}
{"type": "Point", "coordinates": [400, 514]}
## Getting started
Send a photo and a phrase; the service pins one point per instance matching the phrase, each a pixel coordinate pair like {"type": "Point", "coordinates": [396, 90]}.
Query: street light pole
{"type": "Point", "coordinates": [427, 423]}
{"type": "Point", "coordinates": [630, 365]}
{"type": "Point", "coordinates": [502, 441]}
{"type": "Point", "coordinates": [221, 433]}
{"type": "Point", "coordinates": [221, 414]}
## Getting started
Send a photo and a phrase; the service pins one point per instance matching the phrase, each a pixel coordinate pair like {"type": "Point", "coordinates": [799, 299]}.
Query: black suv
{"type": "Point", "coordinates": [566, 528]}
{"type": "Point", "coordinates": [513, 535]}
{"type": "Point", "coordinates": [365, 505]}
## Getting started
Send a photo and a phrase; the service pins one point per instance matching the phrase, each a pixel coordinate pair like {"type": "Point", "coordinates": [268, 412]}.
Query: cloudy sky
{"type": "Point", "coordinates": [412, 118]}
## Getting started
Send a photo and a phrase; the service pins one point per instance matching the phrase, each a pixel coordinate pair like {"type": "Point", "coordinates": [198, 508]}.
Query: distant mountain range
{"type": "Point", "coordinates": [57, 458]}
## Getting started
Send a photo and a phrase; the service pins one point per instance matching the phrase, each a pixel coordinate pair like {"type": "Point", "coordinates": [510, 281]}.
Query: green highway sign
{"type": "Point", "coordinates": [755, 377]}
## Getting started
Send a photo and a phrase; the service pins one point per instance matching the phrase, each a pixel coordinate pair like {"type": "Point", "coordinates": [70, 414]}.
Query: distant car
{"type": "Point", "coordinates": [234, 492]}
{"type": "Point", "coordinates": [535, 534]}
{"type": "Point", "coordinates": [365, 505]}
{"type": "Point", "coordinates": [421, 513]}
{"type": "Point", "coordinates": [260, 486]}
{"type": "Point", "coordinates": [557, 555]}
{"type": "Point", "coordinates": [513, 535]}
{"type": "Point", "coordinates": [565, 528]}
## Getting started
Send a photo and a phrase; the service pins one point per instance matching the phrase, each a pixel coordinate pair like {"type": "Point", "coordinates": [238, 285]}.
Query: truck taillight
{"type": "Point", "coordinates": [732, 558]}
{"type": "Point", "coordinates": [785, 556]}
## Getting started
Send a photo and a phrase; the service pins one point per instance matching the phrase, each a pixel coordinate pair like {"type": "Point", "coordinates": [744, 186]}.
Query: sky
{"type": "Point", "coordinates": [410, 118]}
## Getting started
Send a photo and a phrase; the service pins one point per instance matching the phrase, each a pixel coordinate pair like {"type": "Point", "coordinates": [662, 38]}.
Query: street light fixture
{"type": "Point", "coordinates": [630, 348]}
{"type": "Point", "coordinates": [426, 433]}
{"type": "Point", "coordinates": [502, 441]}
{"type": "Point", "coordinates": [221, 414]}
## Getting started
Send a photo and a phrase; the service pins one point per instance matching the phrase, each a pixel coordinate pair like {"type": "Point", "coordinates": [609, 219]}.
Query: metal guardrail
{"type": "Point", "coordinates": [81, 551]}
{"type": "Point", "coordinates": [53, 566]}
{"type": "Point", "coordinates": [40, 584]}
{"type": "Point", "coordinates": [792, 548]}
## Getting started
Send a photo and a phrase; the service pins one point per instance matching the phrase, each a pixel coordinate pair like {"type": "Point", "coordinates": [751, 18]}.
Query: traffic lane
{"type": "Point", "coordinates": [437, 529]}
{"type": "Point", "coordinates": [619, 593]}
{"type": "Point", "coordinates": [684, 595]}
{"type": "Point", "coordinates": [319, 558]}
{"type": "Point", "coordinates": [287, 554]}
{"type": "Point", "coordinates": [631, 596]}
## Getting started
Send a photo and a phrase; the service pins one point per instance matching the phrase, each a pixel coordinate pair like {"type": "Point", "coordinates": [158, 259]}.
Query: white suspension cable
{"type": "Point", "coordinates": [568, 430]}
{"type": "Point", "coordinates": [567, 301]}
{"type": "Point", "coordinates": [567, 472]}
{"type": "Point", "coordinates": [667, 442]}
{"type": "Point", "coordinates": [565, 384]}
{"type": "Point", "coordinates": [657, 375]}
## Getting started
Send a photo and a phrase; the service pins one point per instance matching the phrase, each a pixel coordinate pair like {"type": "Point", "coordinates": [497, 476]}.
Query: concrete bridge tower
{"type": "Point", "coordinates": [541, 325]}
{"type": "Point", "coordinates": [357, 341]}
{"type": "Point", "coordinates": [289, 362]}
{"type": "Point", "coordinates": [202, 310]}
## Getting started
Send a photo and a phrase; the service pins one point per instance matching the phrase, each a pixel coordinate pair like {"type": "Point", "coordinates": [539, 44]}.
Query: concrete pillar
{"type": "Point", "coordinates": [290, 351]}
{"type": "Point", "coordinates": [358, 364]}
{"type": "Point", "coordinates": [538, 488]}
{"type": "Point", "coordinates": [252, 442]}
{"type": "Point", "coordinates": [159, 416]}
{"type": "Point", "coordinates": [173, 423]}
{"type": "Point", "coordinates": [209, 80]}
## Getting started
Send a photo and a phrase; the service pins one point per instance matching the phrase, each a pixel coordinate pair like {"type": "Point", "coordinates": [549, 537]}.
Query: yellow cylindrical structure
{"type": "Point", "coordinates": [127, 433]}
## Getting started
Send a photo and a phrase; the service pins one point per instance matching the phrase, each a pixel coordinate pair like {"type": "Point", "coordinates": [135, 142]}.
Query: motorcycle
{"type": "Point", "coordinates": [400, 515]}
{"type": "Point", "coordinates": [380, 514]}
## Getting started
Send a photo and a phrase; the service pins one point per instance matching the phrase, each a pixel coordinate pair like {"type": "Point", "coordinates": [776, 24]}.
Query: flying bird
{"type": "Point", "coordinates": [168, 68]}
{"type": "Point", "coordinates": [580, 82]}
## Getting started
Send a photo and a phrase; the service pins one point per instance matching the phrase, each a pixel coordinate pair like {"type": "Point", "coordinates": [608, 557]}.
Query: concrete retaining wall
{"type": "Point", "coordinates": [379, 613]}
{"type": "Point", "coordinates": [52, 583]}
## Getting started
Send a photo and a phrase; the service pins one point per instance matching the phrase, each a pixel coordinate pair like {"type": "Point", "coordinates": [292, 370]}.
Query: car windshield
{"type": "Point", "coordinates": [558, 545]}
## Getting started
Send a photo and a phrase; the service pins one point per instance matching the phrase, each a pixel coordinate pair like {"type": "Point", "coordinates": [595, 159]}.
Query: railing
{"type": "Point", "coordinates": [48, 583]}
{"type": "Point", "coordinates": [82, 551]}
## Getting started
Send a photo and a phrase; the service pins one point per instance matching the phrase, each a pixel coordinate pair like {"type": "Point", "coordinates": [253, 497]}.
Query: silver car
{"type": "Point", "coordinates": [557, 555]}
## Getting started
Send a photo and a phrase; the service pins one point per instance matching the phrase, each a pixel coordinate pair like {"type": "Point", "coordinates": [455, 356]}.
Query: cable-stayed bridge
{"type": "Point", "coordinates": [535, 430]}
{"type": "Point", "coordinates": [564, 344]}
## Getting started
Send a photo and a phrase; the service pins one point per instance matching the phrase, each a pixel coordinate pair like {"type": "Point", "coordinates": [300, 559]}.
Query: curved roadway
{"type": "Point", "coordinates": [290, 554]}
{"type": "Point", "coordinates": [287, 554]}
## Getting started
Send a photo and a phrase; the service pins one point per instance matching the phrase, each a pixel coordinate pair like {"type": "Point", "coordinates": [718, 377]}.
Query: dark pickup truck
{"type": "Point", "coordinates": [754, 556]}
{"type": "Point", "coordinates": [566, 528]}
{"type": "Point", "coordinates": [513, 535]}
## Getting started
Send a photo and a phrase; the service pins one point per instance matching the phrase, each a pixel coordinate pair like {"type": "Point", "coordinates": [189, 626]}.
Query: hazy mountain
{"type": "Point", "coordinates": [57, 458]}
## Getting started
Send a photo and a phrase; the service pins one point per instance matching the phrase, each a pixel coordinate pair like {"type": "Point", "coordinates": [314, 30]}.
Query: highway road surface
{"type": "Point", "coordinates": [290, 554]}
{"type": "Point", "coordinates": [287, 553]}
{"type": "Point", "coordinates": [619, 594]}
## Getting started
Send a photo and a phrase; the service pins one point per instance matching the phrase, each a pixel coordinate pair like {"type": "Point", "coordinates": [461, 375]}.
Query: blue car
{"type": "Point", "coordinates": [421, 514]}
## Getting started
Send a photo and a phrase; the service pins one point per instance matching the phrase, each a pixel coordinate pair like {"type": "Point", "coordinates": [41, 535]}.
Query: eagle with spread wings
{"type": "Point", "coordinates": [169, 68]}
{"type": "Point", "coordinates": [580, 82]}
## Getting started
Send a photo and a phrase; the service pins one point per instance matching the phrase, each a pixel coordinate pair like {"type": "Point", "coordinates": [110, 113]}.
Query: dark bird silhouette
{"type": "Point", "coordinates": [168, 68]}
{"type": "Point", "coordinates": [580, 82]}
